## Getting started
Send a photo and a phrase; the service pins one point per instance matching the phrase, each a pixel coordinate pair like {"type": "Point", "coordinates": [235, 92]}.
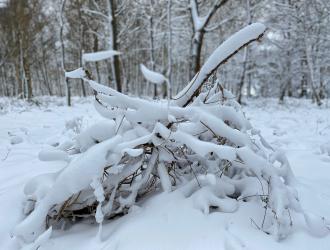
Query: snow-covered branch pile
{"type": "Point", "coordinates": [206, 147]}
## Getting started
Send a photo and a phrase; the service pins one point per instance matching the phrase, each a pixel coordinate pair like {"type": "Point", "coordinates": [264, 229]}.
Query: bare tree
{"type": "Point", "coordinates": [199, 29]}
{"type": "Point", "coordinates": [245, 57]}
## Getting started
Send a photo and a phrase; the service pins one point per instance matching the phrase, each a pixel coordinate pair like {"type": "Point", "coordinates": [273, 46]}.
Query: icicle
{"type": "Point", "coordinates": [99, 194]}
{"type": "Point", "coordinates": [107, 208]}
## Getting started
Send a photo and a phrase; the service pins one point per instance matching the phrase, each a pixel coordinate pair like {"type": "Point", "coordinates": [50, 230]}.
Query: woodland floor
{"type": "Point", "coordinates": [167, 221]}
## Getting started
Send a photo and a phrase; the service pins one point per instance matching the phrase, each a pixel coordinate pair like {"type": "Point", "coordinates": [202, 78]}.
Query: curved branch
{"type": "Point", "coordinates": [221, 55]}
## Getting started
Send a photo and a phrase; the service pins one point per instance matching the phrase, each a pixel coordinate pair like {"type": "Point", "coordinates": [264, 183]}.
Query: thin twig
{"type": "Point", "coordinates": [249, 196]}
{"type": "Point", "coordinates": [254, 223]}
{"type": "Point", "coordinates": [7, 154]}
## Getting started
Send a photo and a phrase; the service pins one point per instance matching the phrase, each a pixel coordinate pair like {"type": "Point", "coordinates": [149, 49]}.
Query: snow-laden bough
{"type": "Point", "coordinates": [208, 151]}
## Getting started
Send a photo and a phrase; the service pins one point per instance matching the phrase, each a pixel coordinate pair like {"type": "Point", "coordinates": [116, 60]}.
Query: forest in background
{"type": "Point", "coordinates": [42, 39]}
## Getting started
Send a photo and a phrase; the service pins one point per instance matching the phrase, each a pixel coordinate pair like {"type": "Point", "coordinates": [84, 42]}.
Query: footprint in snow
{"type": "Point", "coordinates": [16, 140]}
{"type": "Point", "coordinates": [279, 133]}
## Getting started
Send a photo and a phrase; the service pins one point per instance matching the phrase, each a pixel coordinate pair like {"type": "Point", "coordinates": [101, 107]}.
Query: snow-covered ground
{"type": "Point", "coordinates": [167, 220]}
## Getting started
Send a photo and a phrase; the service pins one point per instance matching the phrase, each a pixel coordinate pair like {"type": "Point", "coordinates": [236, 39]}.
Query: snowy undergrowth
{"type": "Point", "coordinates": [208, 152]}
{"type": "Point", "coordinates": [43, 102]}
{"type": "Point", "coordinates": [298, 127]}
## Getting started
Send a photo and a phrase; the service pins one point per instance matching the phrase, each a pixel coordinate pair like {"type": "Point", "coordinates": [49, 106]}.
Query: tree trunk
{"type": "Point", "coordinates": [196, 52]}
{"type": "Point", "coordinates": [242, 80]}
{"type": "Point", "coordinates": [96, 48]}
{"type": "Point", "coordinates": [169, 46]}
{"type": "Point", "coordinates": [151, 41]}
{"type": "Point", "coordinates": [44, 74]}
{"type": "Point", "coordinates": [312, 76]}
{"type": "Point", "coordinates": [303, 81]}
{"type": "Point", "coordinates": [68, 88]}
{"type": "Point", "coordinates": [27, 72]}
{"type": "Point", "coordinates": [19, 80]}
{"type": "Point", "coordinates": [68, 92]}
{"type": "Point", "coordinates": [81, 48]}
{"type": "Point", "coordinates": [115, 64]}
{"type": "Point", "coordinates": [245, 58]}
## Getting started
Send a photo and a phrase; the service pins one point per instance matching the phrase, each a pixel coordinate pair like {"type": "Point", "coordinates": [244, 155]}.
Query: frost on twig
{"type": "Point", "coordinates": [208, 151]}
